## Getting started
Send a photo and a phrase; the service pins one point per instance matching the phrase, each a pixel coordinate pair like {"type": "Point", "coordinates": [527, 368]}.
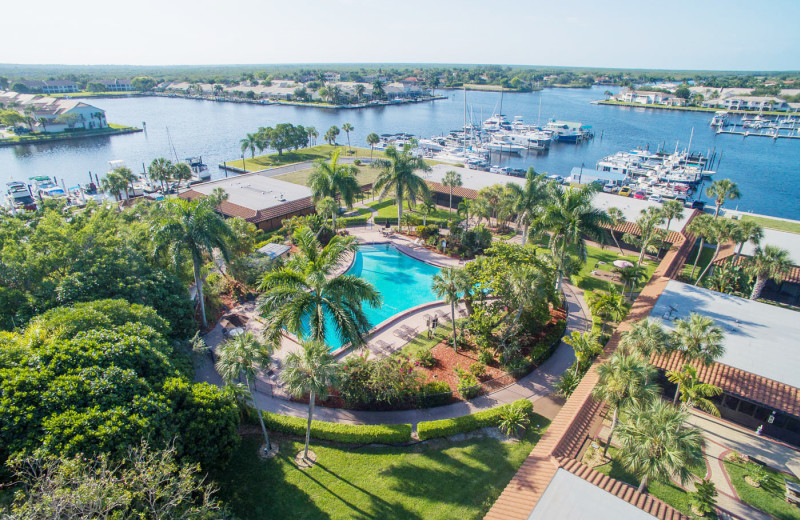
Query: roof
{"type": "Point", "coordinates": [274, 250]}
{"type": "Point", "coordinates": [577, 173]}
{"type": "Point", "coordinates": [793, 276]}
{"type": "Point", "coordinates": [633, 229]}
{"type": "Point", "coordinates": [786, 240]}
{"type": "Point", "coordinates": [751, 330]}
{"type": "Point", "coordinates": [255, 192]}
{"type": "Point", "coordinates": [632, 208]}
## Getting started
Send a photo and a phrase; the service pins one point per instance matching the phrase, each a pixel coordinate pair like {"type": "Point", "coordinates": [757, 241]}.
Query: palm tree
{"type": "Point", "coordinates": [327, 206]}
{"type": "Point", "coordinates": [465, 208]}
{"type": "Point", "coordinates": [250, 142]}
{"type": "Point", "coordinates": [426, 209]}
{"type": "Point", "coordinates": [447, 284]}
{"type": "Point", "coordinates": [331, 134]}
{"type": "Point", "coordinates": [650, 236]}
{"type": "Point", "coordinates": [191, 227]}
{"type": "Point", "coordinates": [720, 231]}
{"type": "Point", "coordinates": [646, 337]}
{"type": "Point", "coordinates": [452, 179]}
{"type": "Point", "coordinates": [217, 89]}
{"type": "Point", "coordinates": [240, 356]}
{"type": "Point", "coordinates": [113, 184]}
{"type": "Point", "coordinates": [631, 276]}
{"type": "Point", "coordinates": [312, 134]}
{"type": "Point", "coordinates": [624, 380]}
{"type": "Point", "coordinates": [218, 196]}
{"type": "Point", "coordinates": [747, 231]}
{"type": "Point", "coordinates": [569, 216]}
{"type": "Point", "coordinates": [160, 170]}
{"type": "Point", "coordinates": [698, 338]}
{"type": "Point", "coordinates": [610, 306]}
{"type": "Point", "coordinates": [398, 174]}
{"type": "Point", "coordinates": [305, 290]}
{"type": "Point", "coordinates": [359, 89]}
{"type": "Point", "coordinates": [656, 445]}
{"type": "Point", "coordinates": [585, 346]}
{"type": "Point", "coordinates": [182, 172]}
{"type": "Point", "coordinates": [693, 393]}
{"type": "Point", "coordinates": [769, 262]}
{"type": "Point", "coordinates": [311, 371]}
{"type": "Point", "coordinates": [372, 140]}
{"type": "Point", "coordinates": [699, 226]}
{"type": "Point", "coordinates": [616, 218]}
{"type": "Point", "coordinates": [527, 285]}
{"type": "Point", "coordinates": [347, 128]}
{"type": "Point", "coordinates": [527, 201]}
{"type": "Point", "coordinates": [338, 181]}
{"type": "Point", "coordinates": [671, 209]}
{"type": "Point", "coordinates": [721, 190]}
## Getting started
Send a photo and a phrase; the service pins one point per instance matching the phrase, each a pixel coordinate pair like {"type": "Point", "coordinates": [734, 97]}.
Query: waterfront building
{"type": "Point", "coordinates": [748, 103]}
{"type": "Point", "coordinates": [646, 97]}
{"type": "Point", "coordinates": [56, 114]}
{"type": "Point", "coordinates": [116, 85]}
{"type": "Point", "coordinates": [52, 86]}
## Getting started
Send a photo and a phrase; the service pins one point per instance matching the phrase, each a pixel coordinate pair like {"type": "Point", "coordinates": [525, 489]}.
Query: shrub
{"type": "Point", "coordinates": [434, 393]}
{"type": "Point", "coordinates": [567, 383]}
{"type": "Point", "coordinates": [352, 221]}
{"type": "Point", "coordinates": [478, 369]}
{"type": "Point", "coordinates": [517, 366]}
{"type": "Point", "coordinates": [468, 385]}
{"type": "Point", "coordinates": [702, 500]}
{"type": "Point", "coordinates": [576, 280]}
{"type": "Point", "coordinates": [757, 473]}
{"type": "Point", "coordinates": [514, 418]}
{"type": "Point", "coordinates": [432, 240]}
{"type": "Point", "coordinates": [425, 232]}
{"type": "Point", "coordinates": [357, 162]}
{"type": "Point", "coordinates": [337, 432]}
{"type": "Point", "coordinates": [485, 357]}
{"type": "Point", "coordinates": [467, 423]}
{"type": "Point", "coordinates": [425, 359]}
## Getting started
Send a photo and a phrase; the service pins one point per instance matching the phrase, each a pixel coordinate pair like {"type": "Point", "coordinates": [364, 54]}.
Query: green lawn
{"type": "Point", "coordinates": [769, 497]}
{"type": "Point", "coordinates": [323, 151]}
{"type": "Point", "coordinates": [780, 225]}
{"type": "Point", "coordinates": [441, 480]}
{"type": "Point", "coordinates": [76, 134]}
{"type": "Point", "coordinates": [388, 209]}
{"type": "Point", "coordinates": [366, 175]}
{"type": "Point", "coordinates": [92, 94]}
{"type": "Point", "coordinates": [705, 258]}
{"type": "Point", "coordinates": [595, 255]}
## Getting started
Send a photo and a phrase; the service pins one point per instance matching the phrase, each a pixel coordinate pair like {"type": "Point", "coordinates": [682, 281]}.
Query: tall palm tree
{"type": "Point", "coordinates": [398, 175]}
{"type": "Point", "coordinates": [527, 285]}
{"type": "Point", "coordinates": [624, 380]}
{"type": "Point", "coordinates": [126, 175]}
{"type": "Point", "coordinates": [372, 140]}
{"type": "Point", "coordinates": [656, 444]}
{"type": "Point", "coordinates": [650, 236]}
{"type": "Point", "coordinates": [312, 134]}
{"type": "Point", "coordinates": [311, 371]}
{"type": "Point", "coordinates": [160, 170]}
{"type": "Point", "coordinates": [359, 89]}
{"type": "Point", "coordinates": [646, 337]}
{"type": "Point", "coordinates": [113, 184]}
{"type": "Point", "coordinates": [447, 284]}
{"type": "Point", "coordinates": [338, 181]}
{"type": "Point", "coordinates": [331, 134]}
{"type": "Point", "coordinates": [692, 392]}
{"type": "Point", "coordinates": [616, 217]}
{"type": "Point", "coordinates": [306, 290]}
{"type": "Point", "coordinates": [631, 276]}
{"type": "Point", "coordinates": [426, 208]}
{"type": "Point", "coordinates": [465, 208]}
{"type": "Point", "coordinates": [193, 228]}
{"type": "Point", "coordinates": [747, 231]}
{"type": "Point", "coordinates": [527, 201]}
{"type": "Point", "coordinates": [327, 206]}
{"type": "Point", "coordinates": [452, 179]}
{"type": "Point", "coordinates": [182, 172]}
{"type": "Point", "coordinates": [569, 216]}
{"type": "Point", "coordinates": [585, 346]}
{"type": "Point", "coordinates": [610, 306]}
{"type": "Point", "coordinates": [699, 226]}
{"type": "Point", "coordinates": [721, 190]}
{"type": "Point", "coordinates": [771, 262]}
{"type": "Point", "coordinates": [347, 128]}
{"type": "Point", "coordinates": [250, 142]}
{"type": "Point", "coordinates": [698, 338]}
{"type": "Point", "coordinates": [720, 231]}
{"type": "Point", "coordinates": [240, 356]}
{"type": "Point", "coordinates": [671, 209]}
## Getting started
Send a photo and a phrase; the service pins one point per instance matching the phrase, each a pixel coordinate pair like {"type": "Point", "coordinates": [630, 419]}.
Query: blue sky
{"type": "Point", "coordinates": [682, 34]}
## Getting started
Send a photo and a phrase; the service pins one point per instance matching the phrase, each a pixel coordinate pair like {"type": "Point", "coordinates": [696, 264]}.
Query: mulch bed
{"type": "Point", "coordinates": [448, 359]}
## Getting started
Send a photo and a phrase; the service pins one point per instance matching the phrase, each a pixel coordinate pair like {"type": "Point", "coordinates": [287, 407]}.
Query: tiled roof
{"type": "Point", "coordinates": [633, 229]}
{"type": "Point", "coordinates": [458, 191]}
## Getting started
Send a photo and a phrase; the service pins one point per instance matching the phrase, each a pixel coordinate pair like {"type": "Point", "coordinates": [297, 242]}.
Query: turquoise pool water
{"type": "Point", "coordinates": [402, 281]}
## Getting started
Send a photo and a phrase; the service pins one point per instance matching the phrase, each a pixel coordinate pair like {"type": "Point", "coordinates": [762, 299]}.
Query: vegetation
{"type": "Point", "coordinates": [780, 225]}
{"type": "Point", "coordinates": [722, 190]}
{"type": "Point", "coordinates": [771, 262]}
{"type": "Point", "coordinates": [467, 423]}
{"type": "Point", "coordinates": [340, 432]}
{"type": "Point", "coordinates": [334, 180]}
{"type": "Point", "coordinates": [770, 496]}
{"type": "Point", "coordinates": [313, 153]}
{"type": "Point", "coordinates": [398, 176]}
{"type": "Point", "coordinates": [448, 284]}
{"type": "Point", "coordinates": [698, 339]}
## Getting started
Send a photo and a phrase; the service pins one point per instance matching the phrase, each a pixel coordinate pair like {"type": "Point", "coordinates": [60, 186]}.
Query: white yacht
{"type": "Point", "coordinates": [496, 145]}
{"type": "Point", "coordinates": [720, 118]}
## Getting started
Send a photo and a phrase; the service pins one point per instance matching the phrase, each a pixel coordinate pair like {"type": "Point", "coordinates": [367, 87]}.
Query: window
{"type": "Point", "coordinates": [747, 408]}
{"type": "Point", "coordinates": [762, 414]}
{"type": "Point", "coordinates": [793, 425]}
{"type": "Point", "coordinates": [730, 402]}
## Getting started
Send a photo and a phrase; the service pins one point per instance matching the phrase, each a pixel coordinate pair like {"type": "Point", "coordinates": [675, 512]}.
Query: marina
{"type": "Point", "coordinates": [786, 127]}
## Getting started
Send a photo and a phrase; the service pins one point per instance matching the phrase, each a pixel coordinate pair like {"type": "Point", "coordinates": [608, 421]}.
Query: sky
{"type": "Point", "coordinates": [675, 34]}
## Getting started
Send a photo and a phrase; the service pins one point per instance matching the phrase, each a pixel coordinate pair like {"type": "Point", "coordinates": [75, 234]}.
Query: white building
{"type": "Point", "coordinates": [748, 103]}
{"type": "Point", "coordinates": [56, 115]}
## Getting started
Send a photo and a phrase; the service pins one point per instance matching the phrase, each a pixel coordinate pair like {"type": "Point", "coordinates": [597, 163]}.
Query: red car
{"type": "Point", "coordinates": [640, 195]}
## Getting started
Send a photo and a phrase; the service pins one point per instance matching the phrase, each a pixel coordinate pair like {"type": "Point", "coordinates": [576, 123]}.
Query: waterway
{"type": "Point", "coordinates": [767, 171]}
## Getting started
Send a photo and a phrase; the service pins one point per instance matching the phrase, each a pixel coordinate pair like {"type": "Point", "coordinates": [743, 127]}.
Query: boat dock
{"type": "Point", "coordinates": [747, 133]}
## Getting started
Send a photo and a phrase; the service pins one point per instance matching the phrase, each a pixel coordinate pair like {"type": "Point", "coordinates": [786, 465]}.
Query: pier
{"type": "Point", "coordinates": [747, 133]}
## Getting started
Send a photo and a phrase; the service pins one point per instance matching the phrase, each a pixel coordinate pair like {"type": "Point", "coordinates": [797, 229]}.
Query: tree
{"type": "Point", "coordinates": [161, 170]}
{"type": "Point", "coordinates": [338, 181]}
{"type": "Point", "coordinates": [698, 338]}
{"type": "Point", "coordinates": [347, 128]}
{"type": "Point", "coordinates": [624, 380]}
{"type": "Point", "coordinates": [312, 134]}
{"type": "Point", "coordinates": [447, 284]}
{"type": "Point", "coordinates": [250, 142]}
{"type": "Point", "coordinates": [311, 371]}
{"type": "Point", "coordinates": [182, 172]}
{"type": "Point", "coordinates": [585, 346]}
{"type": "Point", "coordinates": [747, 231]}
{"type": "Point", "coordinates": [692, 392]}
{"type": "Point", "coordinates": [671, 209]}
{"type": "Point", "coordinates": [377, 90]}
{"type": "Point", "coordinates": [452, 179]}
{"type": "Point", "coordinates": [398, 174]}
{"type": "Point", "coordinates": [650, 236]}
{"type": "Point", "coordinates": [699, 226]}
{"type": "Point", "coordinates": [616, 218]}
{"type": "Point", "coordinates": [331, 135]}
{"type": "Point", "coordinates": [527, 201]}
{"type": "Point", "coordinates": [656, 444]}
{"type": "Point", "coordinates": [771, 262]}
{"type": "Point", "coordinates": [372, 140]}
{"type": "Point", "coordinates": [722, 190]}
{"type": "Point", "coordinates": [646, 337]}
{"type": "Point", "coordinates": [191, 227]}
{"type": "Point", "coordinates": [218, 196]}
{"type": "Point", "coordinates": [631, 276]}
{"type": "Point", "coordinates": [328, 206]}
{"type": "Point", "coordinates": [305, 290]}
{"type": "Point", "coordinates": [113, 183]}
{"type": "Point", "coordinates": [426, 209]}
{"type": "Point", "coordinates": [610, 306]}
{"type": "Point", "coordinates": [703, 499]}
{"type": "Point", "coordinates": [218, 89]}
{"type": "Point", "coordinates": [569, 216]}
{"type": "Point", "coordinates": [359, 90]}
{"type": "Point", "coordinates": [143, 83]}
{"type": "Point", "coordinates": [719, 232]}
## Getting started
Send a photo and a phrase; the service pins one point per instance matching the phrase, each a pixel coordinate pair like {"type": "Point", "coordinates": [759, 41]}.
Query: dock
{"type": "Point", "coordinates": [746, 133]}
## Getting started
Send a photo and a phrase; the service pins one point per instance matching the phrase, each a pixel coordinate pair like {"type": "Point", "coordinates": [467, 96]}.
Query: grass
{"type": "Point", "coordinates": [76, 134]}
{"type": "Point", "coordinates": [92, 94]}
{"type": "Point", "coordinates": [595, 255]}
{"type": "Point", "coordinates": [705, 258]}
{"type": "Point", "coordinates": [323, 151]}
{"type": "Point", "coordinates": [440, 480]}
{"type": "Point", "coordinates": [780, 225]}
{"type": "Point", "coordinates": [769, 497]}
{"type": "Point", "coordinates": [691, 109]}
{"type": "Point", "coordinates": [366, 175]}
{"type": "Point", "coordinates": [388, 209]}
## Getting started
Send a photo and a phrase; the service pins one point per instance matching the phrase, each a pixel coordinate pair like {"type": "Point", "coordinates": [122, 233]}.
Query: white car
{"type": "Point", "coordinates": [655, 198]}
{"type": "Point", "coordinates": [609, 188]}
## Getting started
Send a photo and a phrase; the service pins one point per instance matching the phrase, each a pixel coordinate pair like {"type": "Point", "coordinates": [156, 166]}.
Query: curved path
{"type": "Point", "coordinates": [536, 385]}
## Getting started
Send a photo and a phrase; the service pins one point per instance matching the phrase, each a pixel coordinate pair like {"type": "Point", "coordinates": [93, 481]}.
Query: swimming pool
{"type": "Point", "coordinates": [402, 281]}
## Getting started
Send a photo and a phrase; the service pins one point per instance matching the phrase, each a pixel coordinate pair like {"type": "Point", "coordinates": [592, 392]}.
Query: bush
{"type": "Point", "coordinates": [336, 432]}
{"type": "Point", "coordinates": [380, 221]}
{"type": "Point", "coordinates": [352, 221]}
{"type": "Point", "coordinates": [357, 162]}
{"type": "Point", "coordinates": [425, 359]}
{"type": "Point", "coordinates": [485, 357]}
{"type": "Point", "coordinates": [467, 423]}
{"type": "Point", "coordinates": [702, 499]}
{"type": "Point", "coordinates": [514, 418]}
{"type": "Point", "coordinates": [425, 232]}
{"type": "Point", "coordinates": [577, 280]}
{"type": "Point", "coordinates": [478, 369]}
{"type": "Point", "coordinates": [434, 393]}
{"type": "Point", "coordinates": [468, 385]}
{"type": "Point", "coordinates": [517, 366]}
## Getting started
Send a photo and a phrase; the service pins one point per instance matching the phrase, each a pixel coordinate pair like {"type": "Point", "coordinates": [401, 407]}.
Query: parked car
{"type": "Point", "coordinates": [641, 195]}
{"type": "Point", "coordinates": [699, 205]}
{"type": "Point", "coordinates": [655, 198]}
{"type": "Point", "coordinates": [609, 188]}
{"type": "Point", "coordinates": [624, 191]}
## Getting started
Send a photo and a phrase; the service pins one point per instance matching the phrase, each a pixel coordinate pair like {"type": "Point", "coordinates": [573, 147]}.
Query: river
{"type": "Point", "coordinates": [766, 171]}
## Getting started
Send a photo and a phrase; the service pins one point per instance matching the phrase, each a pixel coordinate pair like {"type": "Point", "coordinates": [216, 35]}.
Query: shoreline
{"type": "Point", "coordinates": [49, 138]}
{"type": "Point", "coordinates": [267, 102]}
{"type": "Point", "coordinates": [689, 109]}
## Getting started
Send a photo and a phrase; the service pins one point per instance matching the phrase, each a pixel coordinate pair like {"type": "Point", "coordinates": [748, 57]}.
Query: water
{"type": "Point", "coordinates": [402, 281]}
{"type": "Point", "coordinates": [767, 171]}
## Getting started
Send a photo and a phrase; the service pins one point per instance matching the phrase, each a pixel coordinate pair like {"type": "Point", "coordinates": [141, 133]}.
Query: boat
{"type": "Point", "coordinates": [197, 165]}
{"type": "Point", "coordinates": [565, 131]}
{"type": "Point", "coordinates": [496, 145]}
{"type": "Point", "coordinates": [720, 118]}
{"type": "Point", "coordinates": [432, 144]}
{"type": "Point", "coordinates": [19, 195]}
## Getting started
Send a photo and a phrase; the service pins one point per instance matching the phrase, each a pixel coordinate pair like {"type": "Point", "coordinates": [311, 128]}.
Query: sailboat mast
{"type": "Point", "coordinates": [465, 119]}
{"type": "Point", "coordinates": [169, 139]}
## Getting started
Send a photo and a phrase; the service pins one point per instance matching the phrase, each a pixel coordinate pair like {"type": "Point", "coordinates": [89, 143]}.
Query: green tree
{"type": "Point", "coordinates": [113, 183]}
{"type": "Point", "coordinates": [311, 371]}
{"type": "Point", "coordinates": [692, 392]}
{"type": "Point", "coordinates": [143, 83]}
{"type": "Point", "coordinates": [616, 218]}
{"type": "Point", "coordinates": [585, 346]}
{"type": "Point", "coordinates": [722, 190]}
{"type": "Point", "coordinates": [240, 357]}
{"type": "Point", "coordinates": [161, 170]}
{"type": "Point", "coordinates": [747, 231]}
{"type": "Point", "coordinates": [671, 209]}
{"type": "Point", "coordinates": [305, 290]}
{"type": "Point", "coordinates": [347, 128]}
{"type": "Point", "coordinates": [182, 172]}
{"type": "Point", "coordinates": [720, 231]}
{"type": "Point", "coordinates": [398, 175]}
{"type": "Point", "coordinates": [656, 445]}
{"type": "Point", "coordinates": [327, 206]}
{"type": "Point", "coordinates": [250, 142]}
{"type": "Point", "coordinates": [631, 276]}
{"type": "Point", "coordinates": [191, 227]}
{"type": "Point", "coordinates": [646, 337]}
{"type": "Point", "coordinates": [624, 380]}
{"type": "Point", "coordinates": [771, 262]}
{"type": "Point", "coordinates": [610, 306]}
{"type": "Point", "coordinates": [377, 90]}
{"type": "Point", "coordinates": [313, 134]}
{"type": "Point", "coordinates": [650, 236]}
{"type": "Point", "coordinates": [452, 179]}
{"type": "Point", "coordinates": [698, 338]}
{"type": "Point", "coordinates": [447, 284]}
{"type": "Point", "coordinates": [527, 201]}
{"type": "Point", "coordinates": [331, 135]}
{"type": "Point", "coordinates": [338, 181]}
{"type": "Point", "coordinates": [700, 227]}
{"type": "Point", "coordinates": [372, 140]}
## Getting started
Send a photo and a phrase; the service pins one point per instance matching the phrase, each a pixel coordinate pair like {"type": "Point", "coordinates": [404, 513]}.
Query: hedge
{"type": "Point", "coordinates": [337, 432]}
{"type": "Point", "coordinates": [467, 423]}
{"type": "Point", "coordinates": [352, 221]}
